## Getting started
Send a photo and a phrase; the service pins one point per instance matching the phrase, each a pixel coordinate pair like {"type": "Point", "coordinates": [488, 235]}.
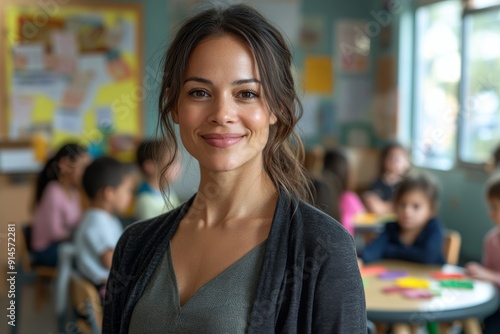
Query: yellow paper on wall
{"type": "Point", "coordinates": [318, 75]}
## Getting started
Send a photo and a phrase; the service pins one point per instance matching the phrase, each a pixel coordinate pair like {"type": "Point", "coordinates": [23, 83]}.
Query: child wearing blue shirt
{"type": "Point", "coordinates": [417, 235]}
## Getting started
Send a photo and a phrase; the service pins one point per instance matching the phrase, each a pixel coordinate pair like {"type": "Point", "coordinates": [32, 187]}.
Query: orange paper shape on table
{"type": "Point", "coordinates": [372, 270]}
{"type": "Point", "coordinates": [413, 283]}
{"type": "Point", "coordinates": [441, 275]}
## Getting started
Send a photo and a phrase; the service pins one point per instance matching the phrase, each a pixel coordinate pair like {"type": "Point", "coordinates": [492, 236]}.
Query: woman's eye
{"type": "Point", "coordinates": [248, 95]}
{"type": "Point", "coordinates": [198, 93]}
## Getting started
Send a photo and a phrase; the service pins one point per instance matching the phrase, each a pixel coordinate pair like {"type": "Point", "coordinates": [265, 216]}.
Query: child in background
{"type": "Point", "coordinates": [335, 162]}
{"type": "Point", "coordinates": [151, 158]}
{"type": "Point", "coordinates": [57, 202]}
{"type": "Point", "coordinates": [394, 163]}
{"type": "Point", "coordinates": [326, 198]}
{"type": "Point", "coordinates": [490, 269]}
{"type": "Point", "coordinates": [494, 164]}
{"type": "Point", "coordinates": [417, 235]}
{"type": "Point", "coordinates": [109, 185]}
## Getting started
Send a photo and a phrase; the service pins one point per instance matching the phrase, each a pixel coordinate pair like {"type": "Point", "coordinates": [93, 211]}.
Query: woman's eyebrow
{"type": "Point", "coordinates": [245, 81]}
{"type": "Point", "coordinates": [198, 79]}
{"type": "Point", "coordinates": [234, 83]}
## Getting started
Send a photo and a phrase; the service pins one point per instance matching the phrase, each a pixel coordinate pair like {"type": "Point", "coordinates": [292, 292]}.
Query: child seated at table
{"type": "Point", "coordinates": [417, 235]}
{"type": "Point", "coordinates": [394, 163]}
{"type": "Point", "coordinates": [151, 157]}
{"type": "Point", "coordinates": [490, 269]}
{"type": "Point", "coordinates": [336, 163]}
{"type": "Point", "coordinates": [109, 185]}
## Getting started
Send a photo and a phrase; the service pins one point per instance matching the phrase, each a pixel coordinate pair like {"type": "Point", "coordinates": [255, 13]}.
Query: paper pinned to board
{"type": "Point", "coordinates": [318, 75]}
{"type": "Point", "coordinates": [68, 121]}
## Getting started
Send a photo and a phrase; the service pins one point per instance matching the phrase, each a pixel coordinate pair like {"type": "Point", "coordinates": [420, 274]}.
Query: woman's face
{"type": "Point", "coordinates": [222, 112]}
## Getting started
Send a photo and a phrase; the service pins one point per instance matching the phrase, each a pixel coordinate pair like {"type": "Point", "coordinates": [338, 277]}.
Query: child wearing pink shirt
{"type": "Point", "coordinates": [490, 269]}
{"type": "Point", "coordinates": [335, 163]}
{"type": "Point", "coordinates": [57, 202]}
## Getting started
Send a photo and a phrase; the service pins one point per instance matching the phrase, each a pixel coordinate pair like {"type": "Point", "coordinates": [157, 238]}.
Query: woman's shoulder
{"type": "Point", "coordinates": [317, 224]}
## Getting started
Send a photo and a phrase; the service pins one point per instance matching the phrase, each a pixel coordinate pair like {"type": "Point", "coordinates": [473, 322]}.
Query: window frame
{"type": "Point", "coordinates": [468, 10]}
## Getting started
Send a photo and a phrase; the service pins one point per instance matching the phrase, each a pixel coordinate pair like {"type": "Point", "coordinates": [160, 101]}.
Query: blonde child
{"type": "Point", "coordinates": [336, 164]}
{"type": "Point", "coordinates": [417, 235]}
{"type": "Point", "coordinates": [394, 163]}
{"type": "Point", "coordinates": [109, 185]}
{"type": "Point", "coordinates": [151, 158]}
{"type": "Point", "coordinates": [57, 202]}
{"type": "Point", "coordinates": [490, 269]}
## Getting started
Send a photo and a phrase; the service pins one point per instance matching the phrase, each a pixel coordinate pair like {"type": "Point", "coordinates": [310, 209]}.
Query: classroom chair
{"type": "Point", "coordinates": [64, 268]}
{"type": "Point", "coordinates": [27, 271]}
{"type": "Point", "coordinates": [86, 302]}
{"type": "Point", "coordinates": [451, 247]}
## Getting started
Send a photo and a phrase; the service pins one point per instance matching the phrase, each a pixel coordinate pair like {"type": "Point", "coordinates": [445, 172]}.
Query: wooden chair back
{"type": "Point", "coordinates": [87, 303]}
{"type": "Point", "coordinates": [451, 247]}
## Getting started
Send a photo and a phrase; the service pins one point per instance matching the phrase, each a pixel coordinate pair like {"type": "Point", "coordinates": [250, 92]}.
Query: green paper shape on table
{"type": "Point", "coordinates": [457, 284]}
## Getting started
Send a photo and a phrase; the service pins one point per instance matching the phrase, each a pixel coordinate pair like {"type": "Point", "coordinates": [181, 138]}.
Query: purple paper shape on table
{"type": "Point", "coordinates": [393, 274]}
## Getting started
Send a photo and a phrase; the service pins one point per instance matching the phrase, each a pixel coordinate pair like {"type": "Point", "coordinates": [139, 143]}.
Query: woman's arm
{"type": "Point", "coordinates": [339, 299]}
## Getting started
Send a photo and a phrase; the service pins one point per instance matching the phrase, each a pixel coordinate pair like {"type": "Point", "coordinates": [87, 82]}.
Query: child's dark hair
{"type": "Point", "coordinates": [52, 172]}
{"type": "Point", "coordinates": [419, 181]}
{"type": "Point", "coordinates": [386, 150]}
{"type": "Point", "coordinates": [148, 149]}
{"type": "Point", "coordinates": [337, 164]}
{"type": "Point", "coordinates": [493, 186]}
{"type": "Point", "coordinates": [496, 157]}
{"type": "Point", "coordinates": [104, 172]}
{"type": "Point", "coordinates": [326, 195]}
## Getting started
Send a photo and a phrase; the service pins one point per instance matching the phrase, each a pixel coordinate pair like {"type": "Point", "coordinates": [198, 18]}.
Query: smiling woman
{"type": "Point", "coordinates": [246, 253]}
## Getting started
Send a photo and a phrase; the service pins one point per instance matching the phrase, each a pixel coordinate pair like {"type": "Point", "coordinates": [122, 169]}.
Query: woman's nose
{"type": "Point", "coordinates": [223, 110]}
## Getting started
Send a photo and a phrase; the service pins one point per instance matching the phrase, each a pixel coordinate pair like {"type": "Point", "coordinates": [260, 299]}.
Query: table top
{"type": "Point", "coordinates": [450, 304]}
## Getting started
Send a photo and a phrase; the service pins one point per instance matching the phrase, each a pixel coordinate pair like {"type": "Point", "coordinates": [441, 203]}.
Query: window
{"type": "Point", "coordinates": [437, 75]}
{"type": "Point", "coordinates": [480, 114]}
{"type": "Point", "coordinates": [456, 90]}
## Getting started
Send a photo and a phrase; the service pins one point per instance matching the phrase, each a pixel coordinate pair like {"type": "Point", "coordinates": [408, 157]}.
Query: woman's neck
{"type": "Point", "coordinates": [226, 197]}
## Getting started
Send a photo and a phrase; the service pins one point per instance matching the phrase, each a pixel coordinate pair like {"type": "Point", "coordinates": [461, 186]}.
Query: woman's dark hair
{"type": "Point", "coordinates": [336, 163]}
{"type": "Point", "coordinates": [418, 181]}
{"type": "Point", "coordinates": [51, 171]}
{"type": "Point", "coordinates": [284, 151]}
{"type": "Point", "coordinates": [386, 150]}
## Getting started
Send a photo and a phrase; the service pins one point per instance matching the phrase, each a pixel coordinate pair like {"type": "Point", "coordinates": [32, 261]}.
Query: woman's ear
{"type": "Point", "coordinates": [175, 115]}
{"type": "Point", "coordinates": [273, 119]}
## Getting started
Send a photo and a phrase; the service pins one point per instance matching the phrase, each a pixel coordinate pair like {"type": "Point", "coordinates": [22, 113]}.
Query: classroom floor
{"type": "Point", "coordinates": [31, 322]}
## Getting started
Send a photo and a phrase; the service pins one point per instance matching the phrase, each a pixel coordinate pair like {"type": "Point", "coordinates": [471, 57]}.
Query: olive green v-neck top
{"type": "Point", "coordinates": [222, 305]}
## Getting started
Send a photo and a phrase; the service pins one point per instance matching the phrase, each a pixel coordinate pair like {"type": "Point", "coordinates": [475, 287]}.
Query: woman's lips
{"type": "Point", "coordinates": [222, 140]}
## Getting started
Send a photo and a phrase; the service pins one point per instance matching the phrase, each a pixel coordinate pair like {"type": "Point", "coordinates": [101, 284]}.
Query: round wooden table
{"type": "Point", "coordinates": [451, 304]}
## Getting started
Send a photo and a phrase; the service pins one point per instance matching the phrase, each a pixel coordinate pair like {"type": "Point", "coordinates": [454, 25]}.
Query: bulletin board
{"type": "Point", "coordinates": [73, 73]}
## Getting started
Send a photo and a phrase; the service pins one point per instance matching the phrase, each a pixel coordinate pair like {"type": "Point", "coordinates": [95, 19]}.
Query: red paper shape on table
{"type": "Point", "coordinates": [417, 294]}
{"type": "Point", "coordinates": [441, 275]}
{"type": "Point", "coordinates": [372, 270]}
{"type": "Point", "coordinates": [393, 274]}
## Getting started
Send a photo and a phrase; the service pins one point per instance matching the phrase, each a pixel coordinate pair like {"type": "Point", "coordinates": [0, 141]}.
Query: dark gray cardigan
{"type": "Point", "coordinates": [309, 280]}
